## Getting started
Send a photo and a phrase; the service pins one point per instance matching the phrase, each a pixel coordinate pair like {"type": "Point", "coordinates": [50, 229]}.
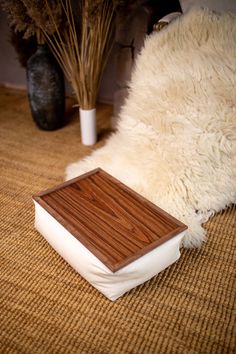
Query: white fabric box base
{"type": "Point", "coordinates": [112, 285]}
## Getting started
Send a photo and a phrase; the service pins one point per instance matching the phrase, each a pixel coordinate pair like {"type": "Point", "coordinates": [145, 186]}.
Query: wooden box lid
{"type": "Point", "coordinates": [115, 223]}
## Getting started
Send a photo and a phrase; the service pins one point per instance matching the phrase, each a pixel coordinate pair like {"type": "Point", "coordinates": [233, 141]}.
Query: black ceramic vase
{"type": "Point", "coordinates": [45, 82]}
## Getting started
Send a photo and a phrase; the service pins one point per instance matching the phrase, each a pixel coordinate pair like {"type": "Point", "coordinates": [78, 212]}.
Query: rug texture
{"type": "Point", "coordinates": [176, 141]}
{"type": "Point", "coordinates": [48, 308]}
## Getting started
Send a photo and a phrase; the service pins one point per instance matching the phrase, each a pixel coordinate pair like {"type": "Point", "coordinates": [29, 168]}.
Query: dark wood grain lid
{"type": "Point", "coordinates": [115, 223]}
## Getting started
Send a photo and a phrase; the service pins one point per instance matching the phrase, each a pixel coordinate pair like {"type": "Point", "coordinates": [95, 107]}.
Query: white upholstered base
{"type": "Point", "coordinates": [112, 285]}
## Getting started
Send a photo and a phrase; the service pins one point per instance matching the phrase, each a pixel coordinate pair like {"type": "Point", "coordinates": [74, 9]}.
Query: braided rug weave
{"type": "Point", "coordinates": [46, 307]}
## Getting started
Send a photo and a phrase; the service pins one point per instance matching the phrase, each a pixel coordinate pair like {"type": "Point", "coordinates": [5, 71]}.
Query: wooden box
{"type": "Point", "coordinates": [114, 223]}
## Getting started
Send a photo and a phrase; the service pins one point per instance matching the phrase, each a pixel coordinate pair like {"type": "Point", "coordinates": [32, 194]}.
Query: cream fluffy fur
{"type": "Point", "coordinates": [176, 141]}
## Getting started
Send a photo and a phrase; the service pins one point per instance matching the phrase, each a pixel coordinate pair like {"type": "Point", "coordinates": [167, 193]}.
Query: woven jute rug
{"type": "Point", "coordinates": [46, 307]}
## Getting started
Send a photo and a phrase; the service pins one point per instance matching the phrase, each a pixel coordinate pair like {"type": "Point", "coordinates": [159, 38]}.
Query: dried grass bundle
{"type": "Point", "coordinates": [18, 18]}
{"type": "Point", "coordinates": [29, 16]}
{"type": "Point", "coordinates": [40, 17]}
{"type": "Point", "coordinates": [82, 48]}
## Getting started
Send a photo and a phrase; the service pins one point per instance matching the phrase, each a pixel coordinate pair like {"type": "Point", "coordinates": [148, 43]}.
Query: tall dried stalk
{"type": "Point", "coordinates": [83, 53]}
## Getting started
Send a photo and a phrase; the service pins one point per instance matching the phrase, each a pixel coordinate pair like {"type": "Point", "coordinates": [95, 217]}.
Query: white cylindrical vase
{"type": "Point", "coordinates": [88, 126]}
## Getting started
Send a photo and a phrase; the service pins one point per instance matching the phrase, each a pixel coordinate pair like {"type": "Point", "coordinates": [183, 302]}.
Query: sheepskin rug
{"type": "Point", "coordinates": [176, 141]}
